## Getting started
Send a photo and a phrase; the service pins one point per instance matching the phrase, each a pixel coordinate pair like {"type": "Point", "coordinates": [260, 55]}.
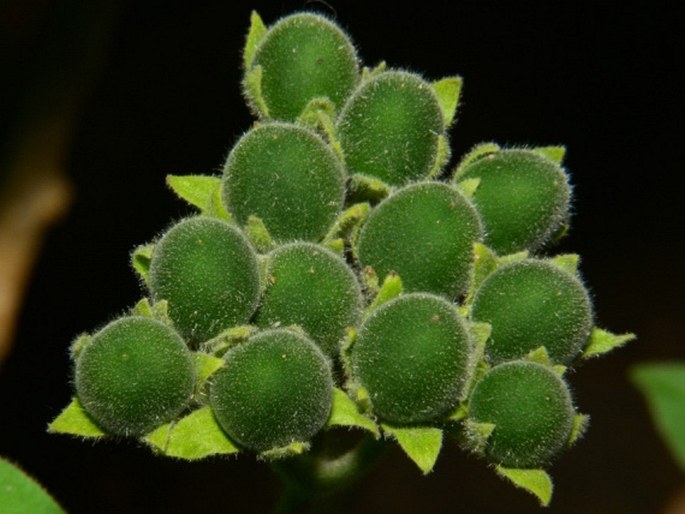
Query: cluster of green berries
{"type": "Point", "coordinates": [354, 259]}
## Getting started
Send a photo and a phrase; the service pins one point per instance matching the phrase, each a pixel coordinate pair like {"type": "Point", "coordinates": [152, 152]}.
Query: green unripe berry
{"type": "Point", "coordinates": [305, 56]}
{"type": "Point", "coordinates": [275, 389]}
{"type": "Point", "coordinates": [412, 357]}
{"type": "Point", "coordinates": [310, 286]}
{"type": "Point", "coordinates": [425, 233]}
{"type": "Point", "coordinates": [390, 126]}
{"type": "Point", "coordinates": [522, 197]}
{"type": "Point", "coordinates": [288, 177]}
{"type": "Point", "coordinates": [533, 303]}
{"type": "Point", "coordinates": [208, 272]}
{"type": "Point", "coordinates": [531, 408]}
{"type": "Point", "coordinates": [134, 375]}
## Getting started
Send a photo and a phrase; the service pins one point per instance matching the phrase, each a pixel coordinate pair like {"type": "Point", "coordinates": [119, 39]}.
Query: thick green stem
{"type": "Point", "coordinates": [308, 478]}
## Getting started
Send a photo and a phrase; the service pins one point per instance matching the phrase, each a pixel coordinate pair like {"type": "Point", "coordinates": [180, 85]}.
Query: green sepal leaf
{"type": "Point", "coordinates": [205, 366]}
{"type": "Point", "coordinates": [370, 282]}
{"type": "Point", "coordinates": [447, 91]}
{"type": "Point", "coordinates": [253, 91]}
{"type": "Point", "coordinates": [421, 444]}
{"type": "Point", "coordinates": [73, 420]}
{"type": "Point", "coordinates": [567, 261]}
{"type": "Point", "coordinates": [477, 152]}
{"type": "Point", "coordinates": [554, 153]}
{"type": "Point", "coordinates": [391, 288]}
{"type": "Point", "coordinates": [140, 261]}
{"type": "Point", "coordinates": [326, 125]}
{"type": "Point", "coordinates": [201, 191]}
{"type": "Point", "coordinates": [541, 356]}
{"type": "Point", "coordinates": [347, 221]}
{"type": "Point", "coordinates": [363, 188]}
{"type": "Point", "coordinates": [468, 186]}
{"type": "Point", "coordinates": [227, 339]}
{"type": "Point", "coordinates": [581, 422]}
{"type": "Point", "coordinates": [293, 449]}
{"type": "Point", "coordinates": [663, 385]}
{"type": "Point", "coordinates": [158, 310]}
{"type": "Point", "coordinates": [344, 413]}
{"type": "Point", "coordinates": [368, 73]}
{"type": "Point", "coordinates": [20, 493]}
{"type": "Point", "coordinates": [310, 114]}
{"type": "Point", "coordinates": [512, 257]}
{"type": "Point", "coordinates": [460, 414]}
{"type": "Point", "coordinates": [337, 245]}
{"type": "Point", "coordinates": [193, 437]}
{"type": "Point", "coordinates": [78, 344]}
{"type": "Point", "coordinates": [254, 37]}
{"type": "Point", "coordinates": [480, 333]}
{"type": "Point", "coordinates": [484, 263]}
{"type": "Point", "coordinates": [258, 234]}
{"type": "Point", "coordinates": [535, 481]}
{"type": "Point", "coordinates": [442, 155]}
{"type": "Point", "coordinates": [477, 434]}
{"type": "Point", "coordinates": [602, 341]}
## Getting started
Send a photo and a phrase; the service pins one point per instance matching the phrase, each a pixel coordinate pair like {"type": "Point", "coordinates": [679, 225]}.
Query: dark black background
{"type": "Point", "coordinates": [603, 78]}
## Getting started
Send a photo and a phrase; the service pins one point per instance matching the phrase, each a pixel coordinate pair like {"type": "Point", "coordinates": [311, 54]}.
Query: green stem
{"type": "Point", "coordinates": [309, 477]}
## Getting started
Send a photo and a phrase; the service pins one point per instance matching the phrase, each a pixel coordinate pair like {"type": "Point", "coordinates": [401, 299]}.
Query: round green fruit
{"type": "Point", "coordinates": [207, 271]}
{"type": "Point", "coordinates": [412, 356]}
{"type": "Point", "coordinates": [134, 375]}
{"type": "Point", "coordinates": [531, 409]}
{"type": "Point", "coordinates": [523, 199]}
{"type": "Point", "coordinates": [425, 233]}
{"type": "Point", "coordinates": [390, 126]}
{"type": "Point", "coordinates": [302, 57]}
{"type": "Point", "coordinates": [533, 303]}
{"type": "Point", "coordinates": [275, 389]}
{"type": "Point", "coordinates": [287, 176]}
{"type": "Point", "coordinates": [310, 286]}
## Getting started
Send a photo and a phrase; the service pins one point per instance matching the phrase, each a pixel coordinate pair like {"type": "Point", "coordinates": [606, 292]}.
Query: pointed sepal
{"type": "Point", "coordinates": [205, 366]}
{"type": "Point", "coordinates": [258, 234]}
{"type": "Point", "coordinates": [362, 188]}
{"type": "Point", "coordinates": [442, 156]}
{"type": "Point", "coordinates": [73, 420]}
{"type": "Point", "coordinates": [348, 220]}
{"type": "Point", "coordinates": [200, 191]}
{"type": "Point", "coordinates": [447, 91]}
{"type": "Point", "coordinates": [227, 339]}
{"type": "Point", "coordinates": [284, 452]}
{"type": "Point", "coordinates": [158, 310]}
{"type": "Point", "coordinates": [602, 341]}
{"type": "Point", "coordinates": [478, 152]}
{"type": "Point", "coordinates": [255, 35]}
{"type": "Point", "coordinates": [567, 262]}
{"type": "Point", "coordinates": [535, 481]}
{"type": "Point", "coordinates": [310, 114]}
{"type": "Point", "coordinates": [468, 186]}
{"type": "Point", "coordinates": [477, 435]}
{"type": "Point", "coordinates": [391, 288]}
{"type": "Point", "coordinates": [345, 413]}
{"type": "Point", "coordinates": [421, 444]}
{"type": "Point", "coordinates": [581, 422]}
{"type": "Point", "coordinates": [252, 84]}
{"type": "Point", "coordinates": [140, 262]}
{"type": "Point", "coordinates": [369, 73]}
{"type": "Point", "coordinates": [553, 153]}
{"type": "Point", "coordinates": [193, 437]}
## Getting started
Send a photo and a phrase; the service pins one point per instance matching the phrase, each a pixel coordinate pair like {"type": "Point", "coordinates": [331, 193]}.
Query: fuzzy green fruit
{"type": "Point", "coordinates": [412, 356]}
{"type": "Point", "coordinates": [275, 389]}
{"type": "Point", "coordinates": [287, 176]}
{"type": "Point", "coordinates": [310, 286]}
{"type": "Point", "coordinates": [134, 375]}
{"type": "Point", "coordinates": [533, 303]}
{"type": "Point", "coordinates": [425, 233]}
{"type": "Point", "coordinates": [302, 57]}
{"type": "Point", "coordinates": [531, 408]}
{"type": "Point", "coordinates": [523, 199]}
{"type": "Point", "coordinates": [208, 272]}
{"type": "Point", "coordinates": [390, 126]}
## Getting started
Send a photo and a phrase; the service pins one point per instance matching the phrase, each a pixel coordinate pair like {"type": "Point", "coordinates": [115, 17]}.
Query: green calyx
{"type": "Point", "coordinates": [286, 176]}
{"type": "Point", "coordinates": [425, 233]}
{"type": "Point", "coordinates": [300, 58]}
{"type": "Point", "coordinates": [533, 303]}
{"type": "Point", "coordinates": [207, 272]}
{"type": "Point", "coordinates": [134, 375]}
{"type": "Point", "coordinates": [412, 356]}
{"type": "Point", "coordinates": [522, 197]}
{"type": "Point", "coordinates": [275, 389]}
{"type": "Point", "coordinates": [529, 411]}
{"type": "Point", "coordinates": [310, 286]}
{"type": "Point", "coordinates": [390, 128]}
